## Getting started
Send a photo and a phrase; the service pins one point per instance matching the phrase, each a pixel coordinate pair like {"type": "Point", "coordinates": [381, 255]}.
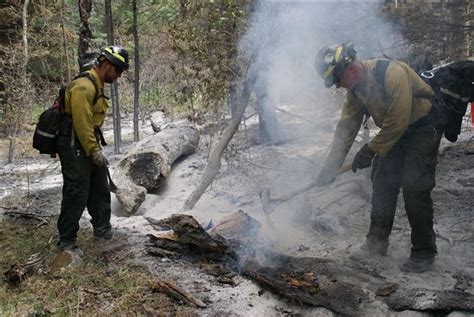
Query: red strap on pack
{"type": "Point", "coordinates": [472, 114]}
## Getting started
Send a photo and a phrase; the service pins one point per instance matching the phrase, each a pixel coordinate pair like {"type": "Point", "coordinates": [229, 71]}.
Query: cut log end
{"type": "Point", "coordinates": [131, 199]}
{"type": "Point", "coordinates": [147, 170]}
{"type": "Point", "coordinates": [148, 165]}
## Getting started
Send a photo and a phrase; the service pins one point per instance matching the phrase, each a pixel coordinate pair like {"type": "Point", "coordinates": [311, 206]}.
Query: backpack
{"type": "Point", "coordinates": [453, 86]}
{"type": "Point", "coordinates": [48, 127]}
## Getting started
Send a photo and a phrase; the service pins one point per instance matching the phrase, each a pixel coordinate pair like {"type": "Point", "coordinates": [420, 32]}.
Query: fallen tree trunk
{"type": "Point", "coordinates": [310, 281]}
{"type": "Point", "coordinates": [214, 161]}
{"type": "Point", "coordinates": [148, 165]}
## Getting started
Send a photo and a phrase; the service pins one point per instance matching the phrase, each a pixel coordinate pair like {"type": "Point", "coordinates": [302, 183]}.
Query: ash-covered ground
{"type": "Point", "coordinates": [322, 222]}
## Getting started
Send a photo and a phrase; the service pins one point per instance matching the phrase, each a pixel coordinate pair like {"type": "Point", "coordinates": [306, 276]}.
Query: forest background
{"type": "Point", "coordinates": [186, 56]}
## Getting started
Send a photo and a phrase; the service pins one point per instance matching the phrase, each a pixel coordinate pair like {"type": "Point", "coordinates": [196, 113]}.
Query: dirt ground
{"type": "Point", "coordinates": [330, 224]}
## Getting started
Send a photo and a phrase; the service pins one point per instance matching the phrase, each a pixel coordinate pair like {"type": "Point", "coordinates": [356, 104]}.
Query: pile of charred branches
{"type": "Point", "coordinates": [228, 249]}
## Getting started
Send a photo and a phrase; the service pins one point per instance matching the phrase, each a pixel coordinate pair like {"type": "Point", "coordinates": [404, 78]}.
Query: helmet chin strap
{"type": "Point", "coordinates": [353, 75]}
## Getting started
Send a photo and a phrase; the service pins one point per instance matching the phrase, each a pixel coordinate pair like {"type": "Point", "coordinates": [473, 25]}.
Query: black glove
{"type": "Point", "coordinates": [99, 159]}
{"type": "Point", "coordinates": [363, 158]}
{"type": "Point", "coordinates": [325, 177]}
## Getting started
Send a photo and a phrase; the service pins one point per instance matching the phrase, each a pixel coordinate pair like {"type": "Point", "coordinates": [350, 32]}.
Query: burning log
{"type": "Point", "coordinates": [238, 227]}
{"type": "Point", "coordinates": [305, 280]}
{"type": "Point", "coordinates": [433, 301]}
{"type": "Point", "coordinates": [336, 286]}
{"type": "Point", "coordinates": [308, 281]}
{"type": "Point", "coordinates": [148, 165]}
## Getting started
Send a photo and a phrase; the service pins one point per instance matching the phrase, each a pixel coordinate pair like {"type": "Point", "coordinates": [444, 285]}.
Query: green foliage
{"type": "Point", "coordinates": [187, 51]}
{"type": "Point", "coordinates": [205, 39]}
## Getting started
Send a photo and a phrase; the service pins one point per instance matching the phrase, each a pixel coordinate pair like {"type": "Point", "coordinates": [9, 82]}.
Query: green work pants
{"type": "Point", "coordinates": [85, 185]}
{"type": "Point", "coordinates": [411, 165]}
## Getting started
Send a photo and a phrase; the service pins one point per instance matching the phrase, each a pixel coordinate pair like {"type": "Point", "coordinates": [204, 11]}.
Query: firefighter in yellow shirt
{"type": "Point", "coordinates": [403, 154]}
{"type": "Point", "coordinates": [83, 163]}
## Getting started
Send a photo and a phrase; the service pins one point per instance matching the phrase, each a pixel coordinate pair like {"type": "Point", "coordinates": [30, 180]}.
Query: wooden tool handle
{"type": "Point", "coordinates": [344, 168]}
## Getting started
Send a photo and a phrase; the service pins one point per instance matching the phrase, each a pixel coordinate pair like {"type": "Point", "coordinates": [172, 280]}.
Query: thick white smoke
{"type": "Point", "coordinates": [285, 37]}
{"type": "Point", "coordinates": [283, 40]}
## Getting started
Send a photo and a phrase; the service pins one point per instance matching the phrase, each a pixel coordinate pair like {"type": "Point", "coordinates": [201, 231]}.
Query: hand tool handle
{"type": "Point", "coordinates": [112, 186]}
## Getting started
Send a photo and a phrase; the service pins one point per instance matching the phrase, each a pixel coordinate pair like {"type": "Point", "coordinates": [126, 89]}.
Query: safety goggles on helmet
{"type": "Point", "coordinates": [117, 56]}
{"type": "Point", "coordinates": [332, 61]}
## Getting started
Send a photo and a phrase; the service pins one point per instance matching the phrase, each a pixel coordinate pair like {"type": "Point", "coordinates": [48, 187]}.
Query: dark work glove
{"type": "Point", "coordinates": [325, 177]}
{"type": "Point", "coordinates": [99, 159]}
{"type": "Point", "coordinates": [363, 158]}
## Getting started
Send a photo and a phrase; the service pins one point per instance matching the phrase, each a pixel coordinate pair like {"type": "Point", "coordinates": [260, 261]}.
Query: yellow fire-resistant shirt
{"type": "Point", "coordinates": [403, 103]}
{"type": "Point", "coordinates": [85, 115]}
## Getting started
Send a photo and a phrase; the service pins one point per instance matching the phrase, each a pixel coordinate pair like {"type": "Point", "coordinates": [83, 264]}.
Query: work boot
{"type": "Point", "coordinates": [70, 246]}
{"type": "Point", "coordinates": [103, 235]}
{"type": "Point", "coordinates": [369, 250]}
{"type": "Point", "coordinates": [417, 265]}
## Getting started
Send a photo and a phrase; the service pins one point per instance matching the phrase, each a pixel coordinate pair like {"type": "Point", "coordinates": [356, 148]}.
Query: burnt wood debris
{"type": "Point", "coordinates": [228, 249]}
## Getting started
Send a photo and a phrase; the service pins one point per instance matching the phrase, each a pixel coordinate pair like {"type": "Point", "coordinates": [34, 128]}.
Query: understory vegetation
{"type": "Point", "coordinates": [109, 283]}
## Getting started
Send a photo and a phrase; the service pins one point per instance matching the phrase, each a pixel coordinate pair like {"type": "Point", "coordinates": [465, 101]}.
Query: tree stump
{"type": "Point", "coordinates": [148, 164]}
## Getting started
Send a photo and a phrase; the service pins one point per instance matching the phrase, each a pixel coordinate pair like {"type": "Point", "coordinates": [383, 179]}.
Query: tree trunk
{"type": "Point", "coordinates": [65, 46]}
{"type": "Point", "coordinates": [84, 53]}
{"type": "Point", "coordinates": [468, 25]}
{"type": "Point", "coordinates": [148, 165]}
{"type": "Point", "coordinates": [25, 37]}
{"type": "Point", "coordinates": [114, 86]}
{"type": "Point", "coordinates": [136, 105]}
{"type": "Point", "coordinates": [214, 161]}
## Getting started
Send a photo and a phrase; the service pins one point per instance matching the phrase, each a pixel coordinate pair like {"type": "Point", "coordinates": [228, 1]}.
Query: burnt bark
{"type": "Point", "coordinates": [136, 74]}
{"type": "Point", "coordinates": [147, 166]}
{"type": "Point", "coordinates": [310, 281]}
{"type": "Point", "coordinates": [190, 238]}
{"type": "Point", "coordinates": [339, 287]}
{"type": "Point", "coordinates": [85, 55]}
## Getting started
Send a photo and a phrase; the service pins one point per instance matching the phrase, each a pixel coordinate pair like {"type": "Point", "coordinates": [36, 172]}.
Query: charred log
{"type": "Point", "coordinates": [238, 228]}
{"type": "Point", "coordinates": [339, 287]}
{"type": "Point", "coordinates": [189, 237]}
{"type": "Point", "coordinates": [148, 165]}
{"type": "Point", "coordinates": [308, 281]}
